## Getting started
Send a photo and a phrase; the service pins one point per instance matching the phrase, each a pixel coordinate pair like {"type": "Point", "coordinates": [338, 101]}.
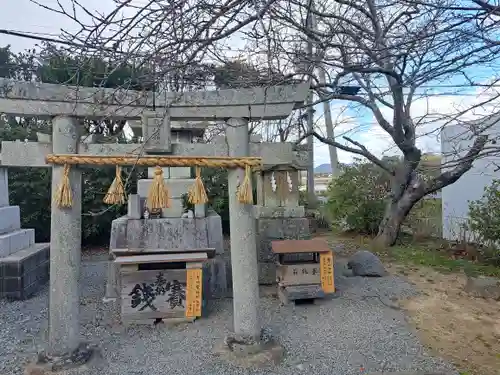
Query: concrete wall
{"type": "Point", "coordinates": [455, 142]}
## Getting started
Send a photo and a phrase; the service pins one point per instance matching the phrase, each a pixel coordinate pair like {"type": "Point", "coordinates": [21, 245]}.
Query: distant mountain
{"type": "Point", "coordinates": [323, 168]}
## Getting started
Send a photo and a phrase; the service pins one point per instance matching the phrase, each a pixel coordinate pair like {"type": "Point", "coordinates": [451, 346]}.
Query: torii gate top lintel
{"type": "Point", "coordinates": [49, 100]}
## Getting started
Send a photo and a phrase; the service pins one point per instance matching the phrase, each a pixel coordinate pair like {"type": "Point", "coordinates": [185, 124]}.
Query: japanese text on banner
{"type": "Point", "coordinates": [326, 271]}
{"type": "Point", "coordinates": [193, 292]}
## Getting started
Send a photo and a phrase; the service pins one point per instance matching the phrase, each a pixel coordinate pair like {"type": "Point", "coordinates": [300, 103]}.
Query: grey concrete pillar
{"type": "Point", "coordinates": [65, 242]}
{"type": "Point", "coordinates": [4, 187]}
{"type": "Point", "coordinates": [243, 243]}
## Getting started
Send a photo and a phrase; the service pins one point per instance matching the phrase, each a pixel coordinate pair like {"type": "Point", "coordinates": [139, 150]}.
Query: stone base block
{"type": "Point", "coordinates": [267, 273]}
{"type": "Point", "coordinates": [247, 352]}
{"type": "Point", "coordinates": [22, 274]}
{"type": "Point", "coordinates": [168, 233]}
{"type": "Point", "coordinates": [299, 292]}
{"type": "Point", "coordinates": [217, 283]}
{"type": "Point", "coordinates": [134, 208]}
{"type": "Point", "coordinates": [279, 229]}
{"type": "Point", "coordinates": [10, 219]}
{"type": "Point", "coordinates": [278, 212]}
{"type": "Point", "coordinates": [61, 363]}
{"type": "Point", "coordinates": [11, 242]}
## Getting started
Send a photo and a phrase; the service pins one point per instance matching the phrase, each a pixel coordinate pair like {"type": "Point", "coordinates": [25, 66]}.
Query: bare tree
{"type": "Point", "coordinates": [391, 51]}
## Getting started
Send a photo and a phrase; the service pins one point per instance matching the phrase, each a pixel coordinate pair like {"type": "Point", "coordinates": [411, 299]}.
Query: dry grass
{"type": "Point", "coordinates": [463, 329]}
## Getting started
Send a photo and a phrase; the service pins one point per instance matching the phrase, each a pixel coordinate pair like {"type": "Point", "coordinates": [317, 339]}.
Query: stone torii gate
{"type": "Point", "coordinates": [65, 106]}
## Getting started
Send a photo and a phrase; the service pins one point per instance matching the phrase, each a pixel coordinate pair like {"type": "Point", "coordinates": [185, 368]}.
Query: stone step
{"type": "Point", "coordinates": [22, 274]}
{"type": "Point", "coordinates": [10, 219]}
{"type": "Point", "coordinates": [17, 240]}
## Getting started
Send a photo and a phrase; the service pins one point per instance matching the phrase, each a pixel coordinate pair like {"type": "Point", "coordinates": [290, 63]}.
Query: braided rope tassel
{"type": "Point", "coordinates": [197, 193]}
{"type": "Point", "coordinates": [63, 195]}
{"type": "Point", "coordinates": [245, 194]}
{"type": "Point", "coordinates": [158, 195]}
{"type": "Point", "coordinates": [116, 192]}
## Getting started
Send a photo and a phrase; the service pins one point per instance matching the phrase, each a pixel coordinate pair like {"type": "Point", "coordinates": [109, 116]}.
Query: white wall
{"type": "Point", "coordinates": [456, 140]}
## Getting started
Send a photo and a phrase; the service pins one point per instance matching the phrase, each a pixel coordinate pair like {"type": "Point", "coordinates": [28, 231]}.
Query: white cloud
{"type": "Point", "coordinates": [433, 113]}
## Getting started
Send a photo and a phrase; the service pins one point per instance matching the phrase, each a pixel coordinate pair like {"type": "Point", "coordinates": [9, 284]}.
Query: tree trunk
{"type": "Point", "coordinates": [395, 213]}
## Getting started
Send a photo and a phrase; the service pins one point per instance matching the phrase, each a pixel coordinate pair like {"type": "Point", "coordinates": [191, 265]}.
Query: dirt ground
{"type": "Point", "coordinates": [460, 328]}
{"type": "Point", "coordinates": [463, 329]}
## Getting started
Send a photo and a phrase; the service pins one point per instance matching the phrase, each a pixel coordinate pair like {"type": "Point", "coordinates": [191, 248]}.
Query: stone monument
{"type": "Point", "coordinates": [24, 264]}
{"type": "Point", "coordinates": [176, 230]}
{"type": "Point", "coordinates": [279, 215]}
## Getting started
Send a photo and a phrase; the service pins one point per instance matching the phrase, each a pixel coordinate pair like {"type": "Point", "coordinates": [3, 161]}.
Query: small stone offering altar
{"type": "Point", "coordinates": [304, 269]}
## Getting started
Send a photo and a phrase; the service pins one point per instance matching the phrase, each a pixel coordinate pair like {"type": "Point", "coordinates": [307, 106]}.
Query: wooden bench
{"type": "Point", "coordinates": [304, 269]}
{"type": "Point", "coordinates": [162, 286]}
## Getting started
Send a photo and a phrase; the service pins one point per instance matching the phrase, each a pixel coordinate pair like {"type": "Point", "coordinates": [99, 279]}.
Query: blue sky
{"type": "Point", "coordinates": [445, 98]}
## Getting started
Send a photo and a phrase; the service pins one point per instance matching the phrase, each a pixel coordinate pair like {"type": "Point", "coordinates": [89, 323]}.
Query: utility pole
{"type": "Point", "coordinates": [311, 195]}
{"type": "Point", "coordinates": [327, 111]}
{"type": "Point", "coordinates": [334, 160]}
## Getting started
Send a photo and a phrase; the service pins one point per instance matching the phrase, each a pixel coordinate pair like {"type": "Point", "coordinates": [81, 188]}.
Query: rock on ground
{"type": "Point", "coordinates": [365, 263]}
{"type": "Point", "coordinates": [338, 336]}
{"type": "Point", "coordinates": [483, 287]}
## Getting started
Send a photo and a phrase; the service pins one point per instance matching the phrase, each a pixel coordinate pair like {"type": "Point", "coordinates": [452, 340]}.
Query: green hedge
{"type": "Point", "coordinates": [30, 189]}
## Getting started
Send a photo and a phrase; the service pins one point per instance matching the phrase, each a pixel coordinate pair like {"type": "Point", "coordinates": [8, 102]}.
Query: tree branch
{"type": "Point", "coordinates": [362, 151]}
{"type": "Point", "coordinates": [490, 8]}
{"type": "Point", "coordinates": [449, 177]}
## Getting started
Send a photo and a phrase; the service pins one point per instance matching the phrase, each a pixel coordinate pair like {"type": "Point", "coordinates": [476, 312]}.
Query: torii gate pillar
{"type": "Point", "coordinates": [65, 245]}
{"type": "Point", "coordinates": [243, 242]}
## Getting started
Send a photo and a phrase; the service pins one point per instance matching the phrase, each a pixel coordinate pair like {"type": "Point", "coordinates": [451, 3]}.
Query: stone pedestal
{"type": "Point", "coordinates": [24, 265]}
{"type": "Point", "coordinates": [168, 233]}
{"type": "Point", "coordinates": [271, 229]}
{"type": "Point", "coordinates": [173, 234]}
{"type": "Point", "coordinates": [279, 217]}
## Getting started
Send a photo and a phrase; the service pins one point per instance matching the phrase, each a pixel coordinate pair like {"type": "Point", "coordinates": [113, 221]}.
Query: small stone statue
{"type": "Point", "coordinates": [155, 213]}
{"type": "Point", "coordinates": [189, 214]}
{"type": "Point", "coordinates": [146, 213]}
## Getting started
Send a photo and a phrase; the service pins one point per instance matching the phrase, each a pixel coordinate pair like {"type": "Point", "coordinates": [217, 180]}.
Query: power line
{"type": "Point", "coordinates": [40, 37]}
{"type": "Point", "coordinates": [35, 33]}
{"type": "Point", "coordinates": [58, 41]}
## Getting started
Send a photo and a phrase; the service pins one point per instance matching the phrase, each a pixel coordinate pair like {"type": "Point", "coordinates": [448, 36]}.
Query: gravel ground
{"type": "Point", "coordinates": [358, 329]}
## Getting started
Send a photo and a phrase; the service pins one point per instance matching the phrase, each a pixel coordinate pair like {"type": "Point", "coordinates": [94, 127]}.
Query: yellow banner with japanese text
{"type": "Point", "coordinates": [326, 272]}
{"type": "Point", "coordinates": [193, 292]}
